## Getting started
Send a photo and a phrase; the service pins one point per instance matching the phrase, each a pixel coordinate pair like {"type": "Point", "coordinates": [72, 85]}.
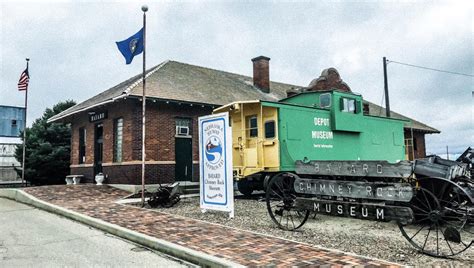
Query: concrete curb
{"type": "Point", "coordinates": [166, 247]}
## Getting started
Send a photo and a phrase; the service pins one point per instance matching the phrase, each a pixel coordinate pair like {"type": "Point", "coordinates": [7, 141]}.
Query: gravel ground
{"type": "Point", "coordinates": [381, 240]}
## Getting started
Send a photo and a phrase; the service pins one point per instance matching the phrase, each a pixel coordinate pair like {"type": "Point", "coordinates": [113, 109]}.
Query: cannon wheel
{"type": "Point", "coordinates": [280, 198]}
{"type": "Point", "coordinates": [441, 226]}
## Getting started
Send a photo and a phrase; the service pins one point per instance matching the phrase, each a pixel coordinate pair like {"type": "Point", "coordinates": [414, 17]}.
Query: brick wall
{"type": "Point", "coordinates": [87, 172]}
{"type": "Point", "coordinates": [131, 174]}
{"type": "Point", "coordinates": [160, 137]}
{"type": "Point", "coordinates": [161, 129]}
{"type": "Point", "coordinates": [116, 110]}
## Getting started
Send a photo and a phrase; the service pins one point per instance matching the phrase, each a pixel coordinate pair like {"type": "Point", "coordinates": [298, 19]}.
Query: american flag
{"type": "Point", "coordinates": [24, 79]}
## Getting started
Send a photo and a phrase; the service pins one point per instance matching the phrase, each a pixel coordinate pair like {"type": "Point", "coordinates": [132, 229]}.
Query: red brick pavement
{"type": "Point", "coordinates": [238, 246]}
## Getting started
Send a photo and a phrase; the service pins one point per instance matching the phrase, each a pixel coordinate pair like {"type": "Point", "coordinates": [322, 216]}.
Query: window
{"type": "Point", "coordinates": [252, 126]}
{"type": "Point", "coordinates": [82, 145]}
{"type": "Point", "coordinates": [118, 139]}
{"type": "Point", "coordinates": [183, 127]}
{"type": "Point", "coordinates": [14, 123]}
{"type": "Point", "coordinates": [325, 100]}
{"type": "Point", "coordinates": [269, 129]}
{"type": "Point", "coordinates": [348, 105]}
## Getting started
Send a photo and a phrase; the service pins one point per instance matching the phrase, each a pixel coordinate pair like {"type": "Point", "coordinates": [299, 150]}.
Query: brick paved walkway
{"type": "Point", "coordinates": [239, 246]}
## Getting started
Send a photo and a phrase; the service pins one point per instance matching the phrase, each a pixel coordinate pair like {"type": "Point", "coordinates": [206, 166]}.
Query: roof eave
{"type": "Point", "coordinates": [123, 94]}
{"type": "Point", "coordinates": [223, 107]}
{"type": "Point", "coordinates": [425, 131]}
{"type": "Point", "coordinates": [134, 96]}
{"type": "Point", "coordinates": [55, 119]}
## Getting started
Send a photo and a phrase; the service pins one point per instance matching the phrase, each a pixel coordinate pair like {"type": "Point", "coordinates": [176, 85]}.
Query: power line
{"type": "Point", "coordinates": [444, 152]}
{"type": "Point", "coordinates": [431, 69]}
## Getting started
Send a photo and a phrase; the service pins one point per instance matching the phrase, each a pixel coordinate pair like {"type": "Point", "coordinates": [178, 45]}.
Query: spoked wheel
{"type": "Point", "coordinates": [280, 197]}
{"type": "Point", "coordinates": [440, 227]}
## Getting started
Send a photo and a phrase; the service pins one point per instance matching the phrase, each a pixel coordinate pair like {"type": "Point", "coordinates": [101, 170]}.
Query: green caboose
{"type": "Point", "coordinates": [269, 137]}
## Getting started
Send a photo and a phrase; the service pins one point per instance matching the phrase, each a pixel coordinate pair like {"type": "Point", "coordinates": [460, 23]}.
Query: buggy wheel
{"type": "Point", "coordinates": [439, 228]}
{"type": "Point", "coordinates": [280, 198]}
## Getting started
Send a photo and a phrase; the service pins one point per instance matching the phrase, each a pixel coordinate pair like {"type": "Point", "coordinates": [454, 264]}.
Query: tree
{"type": "Point", "coordinates": [48, 148]}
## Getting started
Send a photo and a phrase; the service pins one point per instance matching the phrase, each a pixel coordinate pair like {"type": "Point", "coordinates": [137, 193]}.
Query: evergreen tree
{"type": "Point", "coordinates": [48, 148]}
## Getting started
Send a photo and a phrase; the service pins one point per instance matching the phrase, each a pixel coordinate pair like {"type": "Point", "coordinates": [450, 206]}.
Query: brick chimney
{"type": "Point", "coordinates": [261, 73]}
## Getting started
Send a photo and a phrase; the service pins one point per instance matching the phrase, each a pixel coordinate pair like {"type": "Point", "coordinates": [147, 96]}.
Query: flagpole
{"type": "Point", "coordinates": [24, 131]}
{"type": "Point", "coordinates": [144, 9]}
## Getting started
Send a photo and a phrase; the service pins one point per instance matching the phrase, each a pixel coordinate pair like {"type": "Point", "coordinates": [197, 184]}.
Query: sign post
{"type": "Point", "coordinates": [215, 164]}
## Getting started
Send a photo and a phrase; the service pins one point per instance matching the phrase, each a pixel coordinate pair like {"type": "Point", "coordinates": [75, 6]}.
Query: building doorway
{"type": "Point", "coordinates": [184, 161]}
{"type": "Point", "coordinates": [98, 147]}
{"type": "Point", "coordinates": [183, 150]}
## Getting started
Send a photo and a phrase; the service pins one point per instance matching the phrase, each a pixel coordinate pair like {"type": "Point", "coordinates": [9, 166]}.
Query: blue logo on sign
{"type": "Point", "coordinates": [213, 150]}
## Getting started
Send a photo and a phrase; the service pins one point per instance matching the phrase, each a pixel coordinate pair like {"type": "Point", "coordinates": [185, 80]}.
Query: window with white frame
{"type": "Point", "coordinates": [118, 139]}
{"type": "Point", "coordinates": [348, 105]}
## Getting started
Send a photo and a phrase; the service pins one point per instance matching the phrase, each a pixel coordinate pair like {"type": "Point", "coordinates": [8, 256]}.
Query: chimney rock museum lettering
{"type": "Point", "coordinates": [355, 189]}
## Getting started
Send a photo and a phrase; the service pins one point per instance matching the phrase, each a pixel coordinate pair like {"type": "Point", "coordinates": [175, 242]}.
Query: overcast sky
{"type": "Point", "coordinates": [74, 56]}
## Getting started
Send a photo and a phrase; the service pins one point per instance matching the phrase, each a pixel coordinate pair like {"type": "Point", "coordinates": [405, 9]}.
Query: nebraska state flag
{"type": "Point", "coordinates": [131, 46]}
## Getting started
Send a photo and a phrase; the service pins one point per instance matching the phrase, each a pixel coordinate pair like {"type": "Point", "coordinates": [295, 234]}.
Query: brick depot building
{"type": "Point", "coordinates": [106, 129]}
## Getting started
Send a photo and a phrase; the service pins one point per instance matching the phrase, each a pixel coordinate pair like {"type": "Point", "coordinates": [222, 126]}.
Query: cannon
{"type": "Point", "coordinates": [165, 196]}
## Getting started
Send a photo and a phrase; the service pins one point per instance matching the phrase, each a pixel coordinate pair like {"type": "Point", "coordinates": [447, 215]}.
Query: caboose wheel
{"type": "Point", "coordinates": [440, 227]}
{"type": "Point", "coordinates": [245, 187]}
{"type": "Point", "coordinates": [280, 198]}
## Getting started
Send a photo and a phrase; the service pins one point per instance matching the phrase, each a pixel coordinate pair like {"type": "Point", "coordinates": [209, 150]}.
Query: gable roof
{"type": "Point", "coordinates": [379, 111]}
{"type": "Point", "coordinates": [172, 80]}
{"type": "Point", "coordinates": [176, 81]}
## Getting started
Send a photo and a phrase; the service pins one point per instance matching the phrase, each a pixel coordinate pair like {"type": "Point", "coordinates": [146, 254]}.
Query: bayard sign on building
{"type": "Point", "coordinates": [215, 163]}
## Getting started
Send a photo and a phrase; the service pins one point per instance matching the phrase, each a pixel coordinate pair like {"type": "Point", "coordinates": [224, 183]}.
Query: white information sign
{"type": "Point", "coordinates": [215, 163]}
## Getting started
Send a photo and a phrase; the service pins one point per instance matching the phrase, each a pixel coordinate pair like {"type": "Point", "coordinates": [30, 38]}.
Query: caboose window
{"type": "Point", "coordinates": [269, 129]}
{"type": "Point", "coordinates": [325, 100]}
{"type": "Point", "coordinates": [252, 126]}
{"type": "Point", "coordinates": [348, 105]}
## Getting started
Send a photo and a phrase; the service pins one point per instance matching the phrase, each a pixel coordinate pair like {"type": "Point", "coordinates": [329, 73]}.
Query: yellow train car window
{"type": "Point", "coordinates": [270, 129]}
{"type": "Point", "coordinates": [252, 126]}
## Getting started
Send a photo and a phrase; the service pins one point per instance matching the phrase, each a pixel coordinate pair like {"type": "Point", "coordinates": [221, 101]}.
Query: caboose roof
{"type": "Point", "coordinates": [375, 110]}
{"type": "Point", "coordinates": [319, 92]}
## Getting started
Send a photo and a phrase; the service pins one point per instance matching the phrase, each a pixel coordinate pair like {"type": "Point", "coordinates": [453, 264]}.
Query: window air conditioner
{"type": "Point", "coordinates": [182, 131]}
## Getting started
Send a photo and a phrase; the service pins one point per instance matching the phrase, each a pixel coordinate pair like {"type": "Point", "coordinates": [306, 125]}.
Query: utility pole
{"type": "Point", "coordinates": [385, 82]}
